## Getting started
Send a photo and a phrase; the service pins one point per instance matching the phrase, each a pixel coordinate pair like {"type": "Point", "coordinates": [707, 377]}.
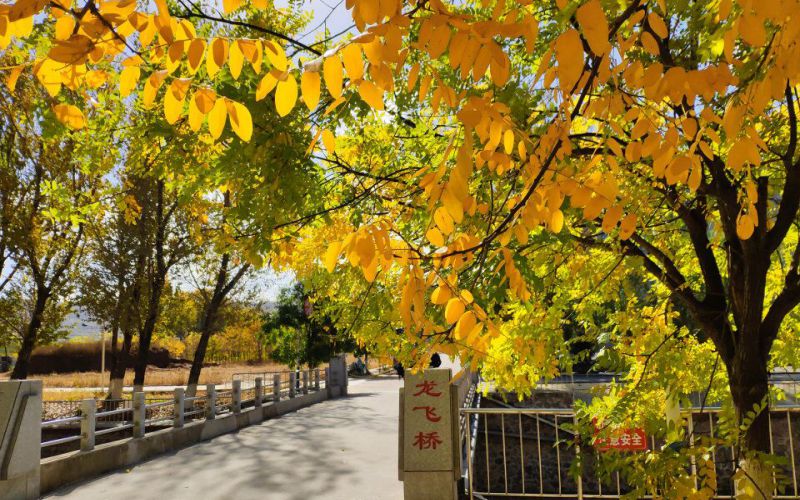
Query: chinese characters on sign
{"type": "Point", "coordinates": [633, 439]}
{"type": "Point", "coordinates": [427, 421]}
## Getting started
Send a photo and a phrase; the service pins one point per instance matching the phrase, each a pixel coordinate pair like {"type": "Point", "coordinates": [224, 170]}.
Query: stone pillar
{"type": "Point", "coordinates": [316, 379]}
{"type": "Point", "coordinates": [88, 423]}
{"type": "Point", "coordinates": [139, 414]}
{"type": "Point", "coordinates": [179, 407]}
{"type": "Point", "coordinates": [292, 381]}
{"type": "Point", "coordinates": [259, 392]}
{"type": "Point", "coordinates": [211, 402]}
{"type": "Point", "coordinates": [20, 438]}
{"type": "Point", "coordinates": [305, 381]}
{"type": "Point", "coordinates": [236, 396]}
{"type": "Point", "coordinates": [429, 451]}
{"type": "Point", "coordinates": [276, 387]}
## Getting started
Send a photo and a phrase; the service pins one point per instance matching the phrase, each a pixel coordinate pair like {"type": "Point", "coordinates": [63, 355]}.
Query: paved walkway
{"type": "Point", "coordinates": [342, 449]}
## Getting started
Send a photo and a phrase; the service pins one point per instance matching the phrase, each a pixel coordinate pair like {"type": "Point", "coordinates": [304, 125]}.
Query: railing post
{"type": "Point", "coordinates": [139, 414]}
{"type": "Point", "coordinates": [292, 381]}
{"type": "Point", "coordinates": [579, 479]}
{"type": "Point", "coordinates": [21, 424]}
{"type": "Point", "coordinates": [259, 391]}
{"type": "Point", "coordinates": [211, 402]}
{"type": "Point", "coordinates": [236, 396]}
{"type": "Point", "coordinates": [179, 406]}
{"type": "Point", "coordinates": [276, 387]}
{"type": "Point", "coordinates": [305, 381]}
{"type": "Point", "coordinates": [316, 379]}
{"type": "Point", "coordinates": [328, 381]}
{"type": "Point", "coordinates": [88, 423]}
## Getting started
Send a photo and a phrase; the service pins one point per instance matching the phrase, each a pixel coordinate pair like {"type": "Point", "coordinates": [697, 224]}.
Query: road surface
{"type": "Point", "coordinates": [341, 449]}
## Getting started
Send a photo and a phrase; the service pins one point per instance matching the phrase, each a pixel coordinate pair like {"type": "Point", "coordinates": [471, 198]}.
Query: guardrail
{"type": "Point", "coordinates": [138, 414]}
{"type": "Point", "coordinates": [528, 452]}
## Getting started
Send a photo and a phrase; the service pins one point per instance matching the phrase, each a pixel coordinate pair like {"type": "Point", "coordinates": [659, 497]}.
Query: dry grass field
{"type": "Point", "coordinates": [159, 376]}
{"type": "Point", "coordinates": [155, 376]}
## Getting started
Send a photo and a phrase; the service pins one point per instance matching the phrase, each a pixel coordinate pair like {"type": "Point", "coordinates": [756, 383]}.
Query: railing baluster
{"type": "Point", "coordinates": [88, 424]}
{"type": "Point", "coordinates": [503, 436]}
{"type": "Point", "coordinates": [259, 393]}
{"type": "Point", "coordinates": [521, 452]}
{"type": "Point", "coordinates": [179, 407]}
{"type": "Point", "coordinates": [139, 415]}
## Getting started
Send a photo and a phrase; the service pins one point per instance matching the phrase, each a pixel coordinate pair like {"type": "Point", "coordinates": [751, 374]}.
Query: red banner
{"type": "Point", "coordinates": [621, 440]}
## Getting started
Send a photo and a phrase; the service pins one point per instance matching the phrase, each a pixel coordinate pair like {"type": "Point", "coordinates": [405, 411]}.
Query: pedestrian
{"type": "Point", "coordinates": [436, 360]}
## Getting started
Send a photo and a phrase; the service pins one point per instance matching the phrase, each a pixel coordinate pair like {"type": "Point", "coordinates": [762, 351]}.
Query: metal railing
{"type": "Point", "coordinates": [528, 453]}
{"type": "Point", "coordinates": [94, 419]}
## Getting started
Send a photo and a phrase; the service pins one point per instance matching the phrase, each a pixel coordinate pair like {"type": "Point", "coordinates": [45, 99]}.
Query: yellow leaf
{"type": "Point", "coordinates": [216, 118]}
{"type": "Point", "coordinates": [196, 117]}
{"type": "Point", "coordinates": [13, 76]}
{"type": "Point", "coordinates": [594, 24]}
{"type": "Point", "coordinates": [286, 95]}
{"type": "Point", "coordinates": [413, 74]}
{"type": "Point", "coordinates": [128, 80]}
{"type": "Point", "coordinates": [64, 27]}
{"type": "Point", "coordinates": [241, 121]}
{"type": "Point", "coordinates": [556, 221]}
{"type": "Point", "coordinates": [508, 141]}
{"type": "Point", "coordinates": [332, 72]}
{"type": "Point", "coordinates": [204, 100]}
{"type": "Point", "coordinates": [371, 94]}
{"type": "Point", "coordinates": [309, 84]}
{"type": "Point", "coordinates": [443, 220]}
{"type": "Point", "coordinates": [627, 226]}
{"type": "Point", "coordinates": [465, 325]}
{"type": "Point", "coordinates": [745, 226]}
{"type": "Point", "coordinates": [441, 294]}
{"type": "Point", "coordinates": [353, 62]}
{"type": "Point", "coordinates": [332, 256]}
{"type": "Point", "coordinates": [230, 5]}
{"type": "Point", "coordinates": [276, 56]}
{"type": "Point", "coordinates": [435, 237]}
{"type": "Point", "coordinates": [265, 86]}
{"type": "Point", "coordinates": [658, 25]}
{"type": "Point", "coordinates": [173, 99]}
{"type": "Point", "coordinates": [70, 116]}
{"type": "Point", "coordinates": [569, 56]}
{"type": "Point", "coordinates": [163, 10]}
{"type": "Point", "coordinates": [610, 219]}
{"type": "Point", "coordinates": [453, 310]}
{"type": "Point", "coordinates": [329, 141]}
{"type": "Point", "coordinates": [218, 56]}
{"type": "Point", "coordinates": [196, 50]}
{"type": "Point", "coordinates": [235, 61]}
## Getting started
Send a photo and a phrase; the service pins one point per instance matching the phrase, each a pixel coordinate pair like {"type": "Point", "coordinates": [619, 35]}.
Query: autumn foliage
{"type": "Point", "coordinates": [660, 133]}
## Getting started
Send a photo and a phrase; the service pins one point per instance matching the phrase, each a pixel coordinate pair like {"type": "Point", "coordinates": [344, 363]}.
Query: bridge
{"type": "Point", "coordinates": [342, 448]}
{"type": "Point", "coordinates": [326, 436]}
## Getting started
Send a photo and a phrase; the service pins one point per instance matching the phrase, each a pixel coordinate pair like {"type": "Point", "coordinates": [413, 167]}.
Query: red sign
{"type": "Point", "coordinates": [621, 440]}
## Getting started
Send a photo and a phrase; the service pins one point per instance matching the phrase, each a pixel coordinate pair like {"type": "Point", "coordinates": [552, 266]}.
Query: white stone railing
{"type": "Point", "coordinates": [93, 423]}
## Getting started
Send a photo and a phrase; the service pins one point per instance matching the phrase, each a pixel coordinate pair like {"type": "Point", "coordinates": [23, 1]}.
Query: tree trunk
{"type": "Point", "coordinates": [29, 339]}
{"type": "Point", "coordinates": [749, 385]}
{"type": "Point", "coordinates": [197, 361]}
{"type": "Point", "coordinates": [146, 334]}
{"type": "Point", "coordinates": [117, 372]}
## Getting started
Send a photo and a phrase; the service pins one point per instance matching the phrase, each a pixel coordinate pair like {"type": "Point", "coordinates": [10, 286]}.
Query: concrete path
{"type": "Point", "coordinates": [342, 449]}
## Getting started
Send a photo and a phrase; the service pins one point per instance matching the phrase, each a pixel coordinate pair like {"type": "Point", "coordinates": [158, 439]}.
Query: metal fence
{"type": "Point", "coordinates": [529, 452]}
{"type": "Point", "coordinates": [91, 422]}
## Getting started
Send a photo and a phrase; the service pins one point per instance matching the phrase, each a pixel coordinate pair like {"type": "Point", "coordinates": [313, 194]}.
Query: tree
{"type": "Point", "coordinates": [298, 334]}
{"type": "Point", "coordinates": [227, 277]}
{"type": "Point", "coordinates": [660, 135]}
{"type": "Point", "coordinates": [51, 204]}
